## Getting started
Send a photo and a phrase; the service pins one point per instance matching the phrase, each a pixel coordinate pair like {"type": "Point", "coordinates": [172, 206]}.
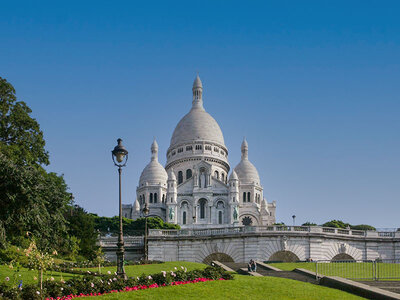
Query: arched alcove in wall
{"type": "Point", "coordinates": [222, 257]}
{"type": "Point", "coordinates": [342, 257]}
{"type": "Point", "coordinates": [283, 256]}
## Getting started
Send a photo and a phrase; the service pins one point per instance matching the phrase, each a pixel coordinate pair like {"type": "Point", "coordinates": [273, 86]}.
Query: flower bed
{"type": "Point", "coordinates": [94, 285]}
{"type": "Point", "coordinates": [134, 288]}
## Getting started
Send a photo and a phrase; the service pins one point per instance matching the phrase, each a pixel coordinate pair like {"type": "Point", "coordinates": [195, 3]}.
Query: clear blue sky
{"type": "Point", "coordinates": [313, 85]}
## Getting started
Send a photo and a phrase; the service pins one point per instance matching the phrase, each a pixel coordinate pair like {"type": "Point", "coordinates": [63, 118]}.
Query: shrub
{"type": "Point", "coordinates": [100, 284]}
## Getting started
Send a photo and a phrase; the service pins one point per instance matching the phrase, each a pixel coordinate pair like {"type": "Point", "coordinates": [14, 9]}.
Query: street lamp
{"type": "Point", "coordinates": [145, 212]}
{"type": "Point", "coordinates": [120, 157]}
{"type": "Point", "coordinates": [294, 220]}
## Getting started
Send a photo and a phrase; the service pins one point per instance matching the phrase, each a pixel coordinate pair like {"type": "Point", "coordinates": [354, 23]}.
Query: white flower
{"type": "Point", "coordinates": [101, 281]}
{"type": "Point", "coordinates": [149, 277]}
{"type": "Point", "coordinates": [115, 273]}
{"type": "Point", "coordinates": [175, 268]}
{"type": "Point", "coordinates": [108, 272]}
{"type": "Point", "coordinates": [115, 279]}
{"type": "Point", "coordinates": [108, 283]}
{"type": "Point", "coordinates": [92, 284]}
{"type": "Point", "coordinates": [52, 278]}
{"type": "Point", "coordinates": [37, 292]}
{"type": "Point", "coordinates": [137, 278]}
{"type": "Point", "coordinates": [185, 270]}
{"type": "Point", "coordinates": [7, 278]}
{"type": "Point", "coordinates": [62, 288]}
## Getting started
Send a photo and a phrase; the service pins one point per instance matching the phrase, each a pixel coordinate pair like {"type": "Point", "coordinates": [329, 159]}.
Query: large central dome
{"type": "Point", "coordinates": [197, 125]}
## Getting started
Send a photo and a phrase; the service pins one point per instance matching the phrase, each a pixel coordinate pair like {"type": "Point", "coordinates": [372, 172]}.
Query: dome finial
{"type": "Point", "coordinates": [154, 150]}
{"type": "Point", "coordinates": [197, 93]}
{"type": "Point", "coordinates": [245, 149]}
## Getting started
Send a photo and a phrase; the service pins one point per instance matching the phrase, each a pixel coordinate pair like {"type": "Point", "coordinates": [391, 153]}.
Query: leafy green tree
{"type": "Point", "coordinates": [336, 224]}
{"type": "Point", "coordinates": [81, 226]}
{"type": "Point", "coordinates": [309, 224]}
{"type": "Point", "coordinates": [20, 136]}
{"type": "Point", "coordinates": [32, 201]}
{"type": "Point", "coordinates": [363, 227]}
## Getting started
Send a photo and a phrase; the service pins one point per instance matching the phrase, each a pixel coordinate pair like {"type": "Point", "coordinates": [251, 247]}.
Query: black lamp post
{"type": "Point", "coordinates": [120, 158]}
{"type": "Point", "coordinates": [294, 220]}
{"type": "Point", "coordinates": [146, 213]}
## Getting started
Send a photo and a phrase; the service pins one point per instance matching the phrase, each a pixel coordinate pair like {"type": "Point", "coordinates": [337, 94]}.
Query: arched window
{"type": "Point", "coordinates": [220, 217]}
{"type": "Point", "coordinates": [163, 198]}
{"type": "Point", "coordinates": [222, 177]}
{"type": "Point", "coordinates": [155, 197]}
{"type": "Point", "coordinates": [151, 197]}
{"type": "Point", "coordinates": [140, 199]}
{"type": "Point", "coordinates": [188, 174]}
{"type": "Point", "coordinates": [203, 208]}
{"type": "Point", "coordinates": [184, 218]}
{"type": "Point", "coordinates": [248, 197]}
{"type": "Point", "coordinates": [216, 174]}
{"type": "Point", "coordinates": [144, 199]}
{"type": "Point", "coordinates": [180, 177]}
{"type": "Point", "coordinates": [244, 196]}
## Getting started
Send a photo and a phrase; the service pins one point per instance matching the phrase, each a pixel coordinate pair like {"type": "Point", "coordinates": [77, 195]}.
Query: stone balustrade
{"type": "Point", "coordinates": [275, 228]}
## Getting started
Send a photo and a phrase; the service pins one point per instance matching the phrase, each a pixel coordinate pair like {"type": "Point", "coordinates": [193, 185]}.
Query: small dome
{"type": "Point", "coordinates": [154, 172]}
{"type": "Point", "coordinates": [233, 176]}
{"type": "Point", "coordinates": [136, 206]}
{"type": "Point", "coordinates": [245, 170]}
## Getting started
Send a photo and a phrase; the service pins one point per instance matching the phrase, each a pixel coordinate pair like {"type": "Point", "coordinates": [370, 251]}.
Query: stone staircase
{"type": "Point", "coordinates": [391, 286]}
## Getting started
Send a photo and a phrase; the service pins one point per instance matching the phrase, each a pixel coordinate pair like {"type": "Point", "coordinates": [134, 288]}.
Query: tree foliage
{"type": "Point", "coordinates": [81, 226]}
{"type": "Point", "coordinates": [21, 139]}
{"type": "Point", "coordinates": [342, 225]}
{"type": "Point", "coordinates": [32, 201]}
{"type": "Point", "coordinates": [131, 227]}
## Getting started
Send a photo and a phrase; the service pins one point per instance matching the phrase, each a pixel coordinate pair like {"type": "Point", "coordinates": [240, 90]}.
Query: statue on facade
{"type": "Point", "coordinates": [235, 213]}
{"type": "Point", "coordinates": [203, 180]}
{"type": "Point", "coordinates": [171, 213]}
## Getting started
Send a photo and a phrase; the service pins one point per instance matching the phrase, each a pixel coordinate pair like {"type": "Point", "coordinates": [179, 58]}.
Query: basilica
{"type": "Point", "coordinates": [195, 189]}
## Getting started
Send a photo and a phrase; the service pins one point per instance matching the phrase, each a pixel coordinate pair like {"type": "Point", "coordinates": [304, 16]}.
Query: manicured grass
{"type": "Point", "coordinates": [347, 270]}
{"type": "Point", "coordinates": [242, 287]}
{"type": "Point", "coordinates": [27, 276]}
{"type": "Point", "coordinates": [133, 271]}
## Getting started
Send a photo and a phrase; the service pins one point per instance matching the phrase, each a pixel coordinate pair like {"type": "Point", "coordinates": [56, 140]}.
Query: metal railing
{"type": "Point", "coordinates": [129, 241]}
{"type": "Point", "coordinates": [385, 269]}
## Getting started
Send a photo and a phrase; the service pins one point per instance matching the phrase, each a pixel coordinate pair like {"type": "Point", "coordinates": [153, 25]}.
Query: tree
{"type": "Point", "coordinates": [309, 224]}
{"type": "Point", "coordinates": [32, 201]}
{"type": "Point", "coordinates": [81, 226]}
{"type": "Point", "coordinates": [336, 224]}
{"type": "Point", "coordinates": [20, 136]}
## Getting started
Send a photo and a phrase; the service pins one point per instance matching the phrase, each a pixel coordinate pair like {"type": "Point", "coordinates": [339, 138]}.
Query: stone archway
{"type": "Point", "coordinates": [283, 256]}
{"type": "Point", "coordinates": [342, 257]}
{"type": "Point", "coordinates": [222, 257]}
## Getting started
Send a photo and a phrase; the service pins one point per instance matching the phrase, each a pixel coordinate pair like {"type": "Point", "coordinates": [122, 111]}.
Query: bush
{"type": "Point", "coordinates": [100, 284]}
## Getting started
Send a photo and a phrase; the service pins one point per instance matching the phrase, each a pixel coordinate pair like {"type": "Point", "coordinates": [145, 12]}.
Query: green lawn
{"type": "Point", "coordinates": [133, 271]}
{"type": "Point", "coordinates": [27, 276]}
{"type": "Point", "coordinates": [347, 270]}
{"type": "Point", "coordinates": [242, 287]}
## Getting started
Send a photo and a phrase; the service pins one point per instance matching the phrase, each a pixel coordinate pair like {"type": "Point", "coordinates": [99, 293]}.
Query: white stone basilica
{"type": "Point", "coordinates": [193, 190]}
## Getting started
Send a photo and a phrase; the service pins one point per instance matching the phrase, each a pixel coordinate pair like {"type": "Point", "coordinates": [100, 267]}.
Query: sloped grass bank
{"type": "Point", "coordinates": [241, 287]}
